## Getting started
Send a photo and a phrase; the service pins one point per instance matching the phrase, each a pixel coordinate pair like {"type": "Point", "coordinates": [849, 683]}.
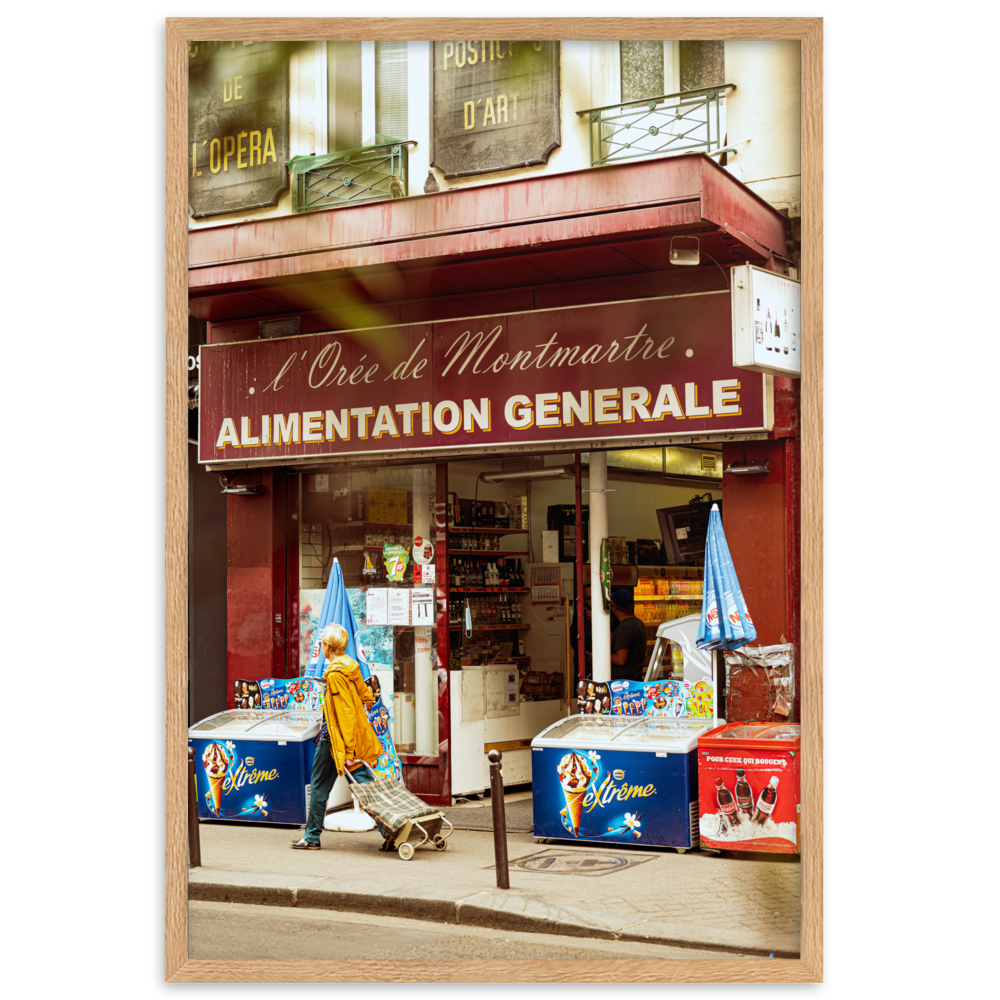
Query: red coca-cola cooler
{"type": "Point", "coordinates": [748, 787]}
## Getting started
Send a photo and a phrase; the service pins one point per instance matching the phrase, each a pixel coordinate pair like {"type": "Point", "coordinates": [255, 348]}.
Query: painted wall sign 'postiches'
{"type": "Point", "coordinates": [496, 105]}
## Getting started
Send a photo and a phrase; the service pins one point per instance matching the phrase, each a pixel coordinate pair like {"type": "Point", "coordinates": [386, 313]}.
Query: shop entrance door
{"type": "Point", "coordinates": [387, 527]}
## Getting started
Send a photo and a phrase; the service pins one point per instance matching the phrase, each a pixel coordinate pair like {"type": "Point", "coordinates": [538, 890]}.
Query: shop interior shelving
{"type": "Point", "coordinates": [666, 597]}
{"type": "Point", "coordinates": [488, 531]}
{"type": "Point", "coordinates": [487, 628]}
{"type": "Point", "coordinates": [487, 590]}
{"type": "Point", "coordinates": [487, 553]}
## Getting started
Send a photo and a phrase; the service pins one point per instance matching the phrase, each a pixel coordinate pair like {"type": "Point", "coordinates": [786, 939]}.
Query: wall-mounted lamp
{"type": "Point", "coordinates": [687, 256]}
{"type": "Point", "coordinates": [749, 468]}
{"type": "Point", "coordinates": [240, 491]}
{"type": "Point", "coordinates": [549, 472]}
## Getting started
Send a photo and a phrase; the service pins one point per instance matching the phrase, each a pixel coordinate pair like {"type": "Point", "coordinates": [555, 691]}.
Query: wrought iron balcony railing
{"type": "Point", "coordinates": [691, 121]}
{"type": "Point", "coordinates": [351, 177]}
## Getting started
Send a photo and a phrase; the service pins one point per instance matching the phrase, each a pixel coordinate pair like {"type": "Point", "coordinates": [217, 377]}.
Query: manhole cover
{"type": "Point", "coordinates": [593, 864]}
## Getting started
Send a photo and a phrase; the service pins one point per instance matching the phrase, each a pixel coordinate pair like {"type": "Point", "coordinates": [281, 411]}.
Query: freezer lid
{"type": "Point", "coordinates": [579, 728]}
{"type": "Point", "coordinates": [293, 726]}
{"type": "Point", "coordinates": [232, 720]}
{"type": "Point", "coordinates": [760, 731]}
{"type": "Point", "coordinates": [255, 723]}
{"type": "Point", "coordinates": [282, 730]}
{"type": "Point", "coordinates": [779, 735]}
{"type": "Point", "coordinates": [611, 732]}
{"type": "Point", "coordinates": [782, 732]}
{"type": "Point", "coordinates": [657, 733]}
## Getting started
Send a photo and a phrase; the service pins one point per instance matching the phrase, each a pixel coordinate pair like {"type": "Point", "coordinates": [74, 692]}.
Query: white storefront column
{"type": "Point", "coordinates": [601, 619]}
{"type": "Point", "coordinates": [425, 676]}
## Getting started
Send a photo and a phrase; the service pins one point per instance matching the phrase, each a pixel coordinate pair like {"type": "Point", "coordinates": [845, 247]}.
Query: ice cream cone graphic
{"type": "Point", "coordinates": [575, 775]}
{"type": "Point", "coordinates": [216, 763]}
{"type": "Point", "coordinates": [215, 789]}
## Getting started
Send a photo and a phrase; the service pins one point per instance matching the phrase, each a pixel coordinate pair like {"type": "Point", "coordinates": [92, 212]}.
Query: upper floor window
{"type": "Point", "coordinates": [658, 115]}
{"type": "Point", "coordinates": [642, 70]}
{"type": "Point", "coordinates": [703, 64]}
{"type": "Point", "coordinates": [344, 128]}
{"type": "Point", "coordinates": [391, 106]}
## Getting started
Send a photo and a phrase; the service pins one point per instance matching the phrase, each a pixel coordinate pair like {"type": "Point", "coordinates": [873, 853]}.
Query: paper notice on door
{"type": "Point", "coordinates": [399, 606]}
{"type": "Point", "coordinates": [422, 606]}
{"type": "Point", "coordinates": [377, 611]}
{"type": "Point", "coordinates": [511, 688]}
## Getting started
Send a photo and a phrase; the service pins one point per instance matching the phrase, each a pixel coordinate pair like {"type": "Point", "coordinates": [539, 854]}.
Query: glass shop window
{"type": "Point", "coordinates": [368, 520]}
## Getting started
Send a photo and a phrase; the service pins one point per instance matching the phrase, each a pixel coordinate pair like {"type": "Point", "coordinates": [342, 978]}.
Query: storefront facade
{"type": "Point", "coordinates": [411, 344]}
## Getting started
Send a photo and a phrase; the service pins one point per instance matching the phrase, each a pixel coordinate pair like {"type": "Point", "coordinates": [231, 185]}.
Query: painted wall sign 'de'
{"type": "Point", "coordinates": [237, 125]}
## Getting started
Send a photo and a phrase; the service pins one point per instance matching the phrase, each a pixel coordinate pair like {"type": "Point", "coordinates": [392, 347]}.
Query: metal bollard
{"type": "Point", "coordinates": [499, 820]}
{"type": "Point", "coordinates": [194, 834]}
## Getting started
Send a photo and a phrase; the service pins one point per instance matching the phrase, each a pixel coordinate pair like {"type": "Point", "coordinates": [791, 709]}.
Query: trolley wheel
{"type": "Point", "coordinates": [440, 843]}
{"type": "Point", "coordinates": [406, 851]}
{"type": "Point", "coordinates": [680, 850]}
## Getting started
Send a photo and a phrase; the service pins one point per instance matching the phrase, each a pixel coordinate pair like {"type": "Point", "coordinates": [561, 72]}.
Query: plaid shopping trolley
{"type": "Point", "coordinates": [406, 821]}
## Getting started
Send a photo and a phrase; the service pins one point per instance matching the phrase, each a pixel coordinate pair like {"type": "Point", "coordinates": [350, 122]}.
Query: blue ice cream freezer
{"type": "Point", "coordinates": [618, 780]}
{"type": "Point", "coordinates": [254, 766]}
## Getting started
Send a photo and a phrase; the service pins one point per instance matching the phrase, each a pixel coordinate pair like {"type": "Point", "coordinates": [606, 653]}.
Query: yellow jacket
{"type": "Point", "coordinates": [351, 734]}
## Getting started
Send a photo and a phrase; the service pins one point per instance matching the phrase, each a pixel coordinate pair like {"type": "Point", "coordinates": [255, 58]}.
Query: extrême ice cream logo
{"type": "Point", "coordinates": [243, 775]}
{"type": "Point", "coordinates": [760, 761]}
{"type": "Point", "coordinates": [226, 774]}
{"type": "Point", "coordinates": [586, 786]}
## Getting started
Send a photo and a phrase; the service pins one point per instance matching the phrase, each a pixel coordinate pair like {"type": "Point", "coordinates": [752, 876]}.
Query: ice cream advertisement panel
{"type": "Point", "coordinates": [257, 781]}
{"type": "Point", "coordinates": [615, 796]}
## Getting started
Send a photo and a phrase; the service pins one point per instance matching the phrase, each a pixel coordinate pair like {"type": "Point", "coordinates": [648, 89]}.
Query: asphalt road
{"type": "Point", "coordinates": [241, 931]}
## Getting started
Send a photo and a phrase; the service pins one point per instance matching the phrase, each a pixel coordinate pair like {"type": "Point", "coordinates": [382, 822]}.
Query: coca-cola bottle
{"type": "Point", "coordinates": [765, 803]}
{"type": "Point", "coordinates": [744, 793]}
{"type": "Point", "coordinates": [727, 804]}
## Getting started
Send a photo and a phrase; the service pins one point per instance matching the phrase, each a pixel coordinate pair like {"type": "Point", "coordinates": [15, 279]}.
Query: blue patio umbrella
{"type": "Point", "coordinates": [725, 620]}
{"type": "Point", "coordinates": [336, 610]}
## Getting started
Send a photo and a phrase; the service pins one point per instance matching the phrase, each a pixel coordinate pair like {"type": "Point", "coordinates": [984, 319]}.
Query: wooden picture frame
{"type": "Point", "coordinates": [178, 967]}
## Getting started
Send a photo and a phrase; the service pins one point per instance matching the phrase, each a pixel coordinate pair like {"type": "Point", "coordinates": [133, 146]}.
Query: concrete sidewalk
{"type": "Point", "coordinates": [744, 903]}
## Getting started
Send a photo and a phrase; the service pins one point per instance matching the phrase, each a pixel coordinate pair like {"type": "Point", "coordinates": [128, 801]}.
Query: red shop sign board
{"type": "Point", "coordinates": [757, 810]}
{"type": "Point", "coordinates": [642, 368]}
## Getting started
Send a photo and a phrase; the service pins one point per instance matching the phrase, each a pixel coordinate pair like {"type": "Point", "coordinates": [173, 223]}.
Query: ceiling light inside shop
{"type": "Point", "coordinates": [549, 472]}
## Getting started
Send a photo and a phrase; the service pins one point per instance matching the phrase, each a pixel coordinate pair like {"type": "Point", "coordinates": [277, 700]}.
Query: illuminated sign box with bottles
{"type": "Point", "coordinates": [767, 322]}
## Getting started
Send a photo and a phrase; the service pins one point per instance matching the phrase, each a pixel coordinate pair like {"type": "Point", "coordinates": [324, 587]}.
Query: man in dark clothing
{"type": "Point", "coordinates": [588, 635]}
{"type": "Point", "coordinates": [628, 641]}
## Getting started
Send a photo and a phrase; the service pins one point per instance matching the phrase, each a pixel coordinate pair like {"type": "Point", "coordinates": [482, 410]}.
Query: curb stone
{"type": "Point", "coordinates": [520, 912]}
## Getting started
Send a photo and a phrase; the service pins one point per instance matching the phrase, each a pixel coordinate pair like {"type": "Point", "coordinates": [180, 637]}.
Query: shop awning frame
{"type": "Point", "coordinates": [544, 228]}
